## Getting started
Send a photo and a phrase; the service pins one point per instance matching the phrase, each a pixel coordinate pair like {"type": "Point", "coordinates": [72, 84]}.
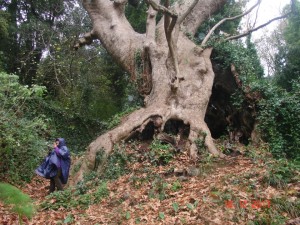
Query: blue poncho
{"type": "Point", "coordinates": [56, 159]}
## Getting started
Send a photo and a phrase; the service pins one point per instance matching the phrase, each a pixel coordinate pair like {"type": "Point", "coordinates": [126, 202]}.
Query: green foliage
{"type": "Point", "coordinates": [159, 189]}
{"type": "Point", "coordinates": [252, 52]}
{"type": "Point", "coordinates": [116, 164]}
{"type": "Point", "coordinates": [200, 143]}
{"type": "Point", "coordinates": [89, 191]}
{"type": "Point", "coordinates": [62, 199]}
{"type": "Point", "coordinates": [278, 116]}
{"type": "Point", "coordinates": [101, 192]}
{"type": "Point", "coordinates": [3, 36]}
{"type": "Point", "coordinates": [21, 203]}
{"type": "Point", "coordinates": [276, 110]}
{"type": "Point", "coordinates": [176, 185]}
{"type": "Point", "coordinates": [3, 24]}
{"type": "Point", "coordinates": [127, 215]}
{"type": "Point", "coordinates": [284, 205]}
{"type": "Point", "coordinates": [193, 206]}
{"type": "Point", "coordinates": [287, 62]}
{"type": "Point", "coordinates": [175, 206]}
{"type": "Point", "coordinates": [160, 154]}
{"type": "Point", "coordinates": [75, 81]}
{"type": "Point", "coordinates": [23, 49]}
{"type": "Point", "coordinates": [24, 129]}
{"type": "Point", "coordinates": [161, 215]}
{"type": "Point", "coordinates": [244, 59]}
{"type": "Point", "coordinates": [78, 81]}
{"type": "Point", "coordinates": [89, 180]}
{"type": "Point", "coordinates": [116, 119]}
{"type": "Point", "coordinates": [137, 16]}
{"type": "Point", "coordinates": [280, 209]}
{"type": "Point", "coordinates": [74, 127]}
{"type": "Point", "coordinates": [281, 172]}
{"type": "Point", "coordinates": [69, 219]}
{"type": "Point", "coordinates": [100, 158]}
{"type": "Point", "coordinates": [231, 8]}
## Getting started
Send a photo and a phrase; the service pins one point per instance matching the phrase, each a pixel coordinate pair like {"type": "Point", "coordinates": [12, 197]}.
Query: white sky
{"type": "Point", "coordinates": [268, 9]}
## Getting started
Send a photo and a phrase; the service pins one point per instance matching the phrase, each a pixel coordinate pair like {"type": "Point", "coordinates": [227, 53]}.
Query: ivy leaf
{"type": "Point", "coordinates": [161, 215]}
{"type": "Point", "coordinates": [127, 216]}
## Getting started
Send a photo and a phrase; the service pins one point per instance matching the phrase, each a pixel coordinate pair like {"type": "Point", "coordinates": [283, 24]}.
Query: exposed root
{"type": "Point", "coordinates": [135, 124]}
{"type": "Point", "coordinates": [201, 133]}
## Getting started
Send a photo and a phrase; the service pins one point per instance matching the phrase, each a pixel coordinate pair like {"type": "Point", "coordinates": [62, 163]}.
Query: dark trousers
{"type": "Point", "coordinates": [55, 182]}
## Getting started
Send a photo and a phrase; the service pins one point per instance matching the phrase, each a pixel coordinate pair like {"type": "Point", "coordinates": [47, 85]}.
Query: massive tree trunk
{"type": "Point", "coordinates": [174, 74]}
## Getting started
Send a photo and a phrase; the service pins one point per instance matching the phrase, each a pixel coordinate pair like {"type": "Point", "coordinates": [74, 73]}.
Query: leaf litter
{"type": "Point", "coordinates": [222, 193]}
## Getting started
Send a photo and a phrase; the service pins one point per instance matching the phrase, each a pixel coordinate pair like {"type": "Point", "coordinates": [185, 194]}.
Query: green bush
{"type": "Point", "coordinates": [87, 193]}
{"type": "Point", "coordinates": [62, 199]}
{"type": "Point", "coordinates": [160, 154]}
{"type": "Point", "coordinates": [23, 129]}
{"type": "Point", "coordinates": [101, 192]}
{"type": "Point", "coordinates": [116, 163]}
{"type": "Point", "coordinates": [277, 109]}
{"type": "Point", "coordinates": [278, 117]}
{"type": "Point", "coordinates": [281, 172]}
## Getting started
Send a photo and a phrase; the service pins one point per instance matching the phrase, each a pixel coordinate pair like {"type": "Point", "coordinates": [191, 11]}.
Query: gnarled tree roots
{"type": "Point", "coordinates": [151, 120]}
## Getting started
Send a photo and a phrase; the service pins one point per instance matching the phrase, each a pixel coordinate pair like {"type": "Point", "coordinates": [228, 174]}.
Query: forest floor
{"type": "Point", "coordinates": [241, 189]}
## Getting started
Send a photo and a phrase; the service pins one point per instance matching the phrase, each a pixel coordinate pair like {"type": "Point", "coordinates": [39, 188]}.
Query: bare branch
{"type": "Point", "coordinates": [257, 28]}
{"type": "Point", "coordinates": [188, 11]}
{"type": "Point", "coordinates": [256, 15]}
{"type": "Point", "coordinates": [200, 13]}
{"type": "Point", "coordinates": [161, 9]}
{"type": "Point", "coordinates": [227, 19]}
{"type": "Point", "coordinates": [87, 39]}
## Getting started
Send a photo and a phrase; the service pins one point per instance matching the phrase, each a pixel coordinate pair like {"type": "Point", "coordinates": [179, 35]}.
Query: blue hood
{"type": "Point", "coordinates": [62, 142]}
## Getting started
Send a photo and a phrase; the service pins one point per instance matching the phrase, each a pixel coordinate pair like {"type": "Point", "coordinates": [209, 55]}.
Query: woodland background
{"type": "Point", "coordinates": [47, 89]}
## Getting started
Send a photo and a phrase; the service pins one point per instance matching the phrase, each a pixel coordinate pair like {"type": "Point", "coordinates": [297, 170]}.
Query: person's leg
{"type": "Point", "coordinates": [57, 181]}
{"type": "Point", "coordinates": [52, 185]}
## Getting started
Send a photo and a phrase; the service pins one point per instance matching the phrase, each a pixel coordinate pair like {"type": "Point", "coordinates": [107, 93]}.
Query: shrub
{"type": "Point", "coordinates": [101, 192]}
{"type": "Point", "coordinates": [23, 130]}
{"type": "Point", "coordinates": [116, 164]}
{"type": "Point", "coordinates": [281, 172]}
{"type": "Point", "coordinates": [279, 119]}
{"type": "Point", "coordinates": [160, 154]}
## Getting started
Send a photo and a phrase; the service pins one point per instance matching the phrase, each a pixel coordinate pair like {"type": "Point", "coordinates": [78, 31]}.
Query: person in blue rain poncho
{"type": "Point", "coordinates": [56, 165]}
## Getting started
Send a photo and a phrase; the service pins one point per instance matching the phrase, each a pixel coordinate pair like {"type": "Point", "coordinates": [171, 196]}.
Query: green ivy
{"type": "Point", "coordinates": [279, 119]}
{"type": "Point", "coordinates": [160, 154]}
{"type": "Point", "coordinates": [24, 130]}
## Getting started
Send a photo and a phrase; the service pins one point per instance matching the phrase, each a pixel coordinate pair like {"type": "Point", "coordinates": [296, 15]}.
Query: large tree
{"type": "Point", "coordinates": [174, 74]}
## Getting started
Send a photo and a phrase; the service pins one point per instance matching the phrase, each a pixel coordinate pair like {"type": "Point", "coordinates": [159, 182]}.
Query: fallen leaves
{"type": "Point", "coordinates": [199, 199]}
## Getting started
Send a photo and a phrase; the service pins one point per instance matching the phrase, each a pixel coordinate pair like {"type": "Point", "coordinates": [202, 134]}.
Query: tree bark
{"type": "Point", "coordinates": [188, 102]}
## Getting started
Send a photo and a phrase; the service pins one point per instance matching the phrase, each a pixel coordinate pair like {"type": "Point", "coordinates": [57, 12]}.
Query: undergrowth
{"type": "Point", "coordinates": [93, 188]}
{"type": "Point", "coordinates": [267, 172]}
{"type": "Point", "coordinates": [17, 201]}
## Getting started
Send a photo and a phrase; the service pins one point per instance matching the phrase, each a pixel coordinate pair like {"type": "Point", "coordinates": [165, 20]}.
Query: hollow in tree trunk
{"type": "Point", "coordinates": [174, 75]}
